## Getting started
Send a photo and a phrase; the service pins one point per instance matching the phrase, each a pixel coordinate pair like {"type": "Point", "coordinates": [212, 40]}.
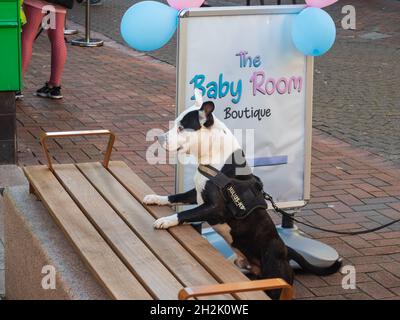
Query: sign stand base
{"type": "Point", "coordinates": [314, 252]}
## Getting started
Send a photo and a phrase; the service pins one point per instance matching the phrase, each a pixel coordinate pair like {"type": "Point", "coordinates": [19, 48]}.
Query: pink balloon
{"type": "Point", "coordinates": [320, 3]}
{"type": "Point", "coordinates": [183, 4]}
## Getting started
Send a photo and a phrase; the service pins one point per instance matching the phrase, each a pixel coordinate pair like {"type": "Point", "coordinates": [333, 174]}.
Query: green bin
{"type": "Point", "coordinates": [10, 46]}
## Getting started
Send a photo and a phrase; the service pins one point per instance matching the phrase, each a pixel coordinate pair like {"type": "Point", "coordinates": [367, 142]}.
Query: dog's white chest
{"type": "Point", "coordinates": [200, 183]}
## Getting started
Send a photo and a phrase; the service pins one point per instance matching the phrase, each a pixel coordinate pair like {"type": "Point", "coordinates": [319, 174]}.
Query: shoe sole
{"type": "Point", "coordinates": [44, 95]}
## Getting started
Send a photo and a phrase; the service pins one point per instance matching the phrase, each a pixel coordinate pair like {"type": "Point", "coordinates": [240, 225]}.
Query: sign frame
{"type": "Point", "coordinates": [182, 46]}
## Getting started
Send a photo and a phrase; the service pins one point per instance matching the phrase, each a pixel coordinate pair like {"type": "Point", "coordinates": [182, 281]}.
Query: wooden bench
{"type": "Point", "coordinates": [99, 208]}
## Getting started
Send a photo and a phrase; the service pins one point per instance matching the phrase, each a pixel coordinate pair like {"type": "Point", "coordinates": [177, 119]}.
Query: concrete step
{"type": "Point", "coordinates": [10, 175]}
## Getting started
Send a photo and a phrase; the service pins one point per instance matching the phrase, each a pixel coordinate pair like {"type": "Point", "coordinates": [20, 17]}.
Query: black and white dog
{"type": "Point", "coordinates": [254, 239]}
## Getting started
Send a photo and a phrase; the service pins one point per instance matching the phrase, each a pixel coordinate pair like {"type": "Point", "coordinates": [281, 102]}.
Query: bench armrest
{"type": "Point", "coordinates": [69, 134]}
{"type": "Point", "coordinates": [222, 288]}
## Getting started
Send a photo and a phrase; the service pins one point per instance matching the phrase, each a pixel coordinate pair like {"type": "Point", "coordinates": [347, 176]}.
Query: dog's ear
{"type": "Point", "coordinates": [198, 98]}
{"type": "Point", "coordinates": [205, 114]}
{"type": "Point", "coordinates": [207, 107]}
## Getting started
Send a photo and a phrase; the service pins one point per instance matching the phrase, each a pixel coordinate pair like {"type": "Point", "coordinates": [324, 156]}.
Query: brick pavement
{"type": "Point", "coordinates": [105, 88]}
{"type": "Point", "coordinates": [356, 97]}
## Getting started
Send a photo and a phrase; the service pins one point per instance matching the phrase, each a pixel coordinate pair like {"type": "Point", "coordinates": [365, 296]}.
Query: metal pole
{"type": "Point", "coordinates": [288, 223]}
{"type": "Point", "coordinates": [87, 20]}
{"type": "Point", "coordinates": [87, 42]}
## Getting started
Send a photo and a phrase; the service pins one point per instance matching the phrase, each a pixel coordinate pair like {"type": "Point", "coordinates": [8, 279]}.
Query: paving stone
{"type": "Point", "coordinates": [332, 291]}
{"type": "Point", "coordinates": [301, 291]}
{"type": "Point", "coordinates": [390, 235]}
{"type": "Point", "coordinates": [357, 296]}
{"type": "Point", "coordinates": [366, 268]}
{"type": "Point", "coordinates": [396, 291]}
{"type": "Point", "coordinates": [370, 207]}
{"type": "Point", "coordinates": [357, 242]}
{"type": "Point", "coordinates": [391, 213]}
{"type": "Point", "coordinates": [385, 278]}
{"type": "Point", "coordinates": [392, 267]}
{"type": "Point", "coordinates": [339, 207]}
{"type": "Point", "coordinates": [395, 205]}
{"type": "Point", "coordinates": [311, 281]}
{"type": "Point", "coordinates": [380, 250]}
{"type": "Point", "coordinates": [375, 36]}
{"type": "Point", "coordinates": [387, 242]}
{"type": "Point", "coordinates": [328, 213]}
{"type": "Point", "coordinates": [370, 236]}
{"type": "Point", "coordinates": [349, 200]}
{"type": "Point", "coordinates": [360, 194]}
{"type": "Point", "coordinates": [380, 200]}
{"type": "Point", "coordinates": [375, 290]}
{"type": "Point", "coordinates": [371, 259]}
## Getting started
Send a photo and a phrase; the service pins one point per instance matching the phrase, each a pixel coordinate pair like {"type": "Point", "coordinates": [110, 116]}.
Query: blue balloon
{"type": "Point", "coordinates": [148, 25]}
{"type": "Point", "coordinates": [313, 31]}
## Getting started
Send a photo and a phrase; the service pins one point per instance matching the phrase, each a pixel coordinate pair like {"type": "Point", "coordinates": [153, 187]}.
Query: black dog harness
{"type": "Point", "coordinates": [241, 197]}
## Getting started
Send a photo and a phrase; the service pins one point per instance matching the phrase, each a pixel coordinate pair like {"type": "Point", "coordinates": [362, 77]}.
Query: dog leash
{"type": "Point", "coordinates": [269, 198]}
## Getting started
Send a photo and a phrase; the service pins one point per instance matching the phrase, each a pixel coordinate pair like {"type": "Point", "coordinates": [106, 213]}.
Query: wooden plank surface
{"type": "Point", "coordinates": [153, 275]}
{"type": "Point", "coordinates": [175, 257]}
{"type": "Point", "coordinates": [211, 259]}
{"type": "Point", "coordinates": [110, 271]}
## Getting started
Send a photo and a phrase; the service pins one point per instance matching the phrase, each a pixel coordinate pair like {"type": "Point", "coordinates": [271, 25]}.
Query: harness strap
{"type": "Point", "coordinates": [207, 170]}
{"type": "Point", "coordinates": [217, 177]}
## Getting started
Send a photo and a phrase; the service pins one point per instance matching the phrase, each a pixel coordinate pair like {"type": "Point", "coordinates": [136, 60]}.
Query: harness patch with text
{"type": "Point", "coordinates": [242, 196]}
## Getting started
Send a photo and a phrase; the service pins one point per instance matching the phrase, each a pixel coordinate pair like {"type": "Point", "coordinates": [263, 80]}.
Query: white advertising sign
{"type": "Point", "coordinates": [243, 59]}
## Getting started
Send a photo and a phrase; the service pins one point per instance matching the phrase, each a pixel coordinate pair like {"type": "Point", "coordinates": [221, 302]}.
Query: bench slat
{"type": "Point", "coordinates": [153, 275]}
{"type": "Point", "coordinates": [210, 258]}
{"type": "Point", "coordinates": [168, 250]}
{"type": "Point", "coordinates": [117, 280]}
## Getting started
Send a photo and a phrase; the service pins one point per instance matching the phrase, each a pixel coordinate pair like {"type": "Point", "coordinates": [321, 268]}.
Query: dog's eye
{"type": "Point", "coordinates": [180, 128]}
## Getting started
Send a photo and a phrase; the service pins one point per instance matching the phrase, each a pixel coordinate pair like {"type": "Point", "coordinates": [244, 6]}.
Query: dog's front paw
{"type": "Point", "coordinates": [242, 263]}
{"type": "Point", "coordinates": [156, 199]}
{"type": "Point", "coordinates": [166, 222]}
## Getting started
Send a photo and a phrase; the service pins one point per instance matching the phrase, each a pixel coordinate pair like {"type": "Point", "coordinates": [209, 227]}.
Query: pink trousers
{"type": "Point", "coordinates": [34, 18]}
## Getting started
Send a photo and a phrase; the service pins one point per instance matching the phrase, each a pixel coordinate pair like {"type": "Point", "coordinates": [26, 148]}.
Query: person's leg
{"type": "Point", "coordinates": [58, 50]}
{"type": "Point", "coordinates": [29, 31]}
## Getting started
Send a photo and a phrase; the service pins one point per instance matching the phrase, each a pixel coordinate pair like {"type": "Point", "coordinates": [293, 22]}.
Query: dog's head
{"type": "Point", "coordinates": [191, 127]}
